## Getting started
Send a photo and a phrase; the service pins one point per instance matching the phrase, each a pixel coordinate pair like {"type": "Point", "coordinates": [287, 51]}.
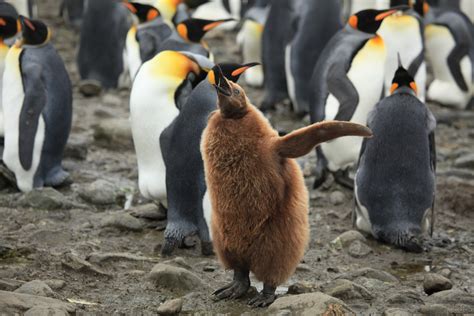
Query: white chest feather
{"type": "Point", "coordinates": [133, 52]}
{"type": "Point", "coordinates": [251, 41]}
{"type": "Point", "coordinates": [13, 97]}
{"type": "Point", "coordinates": [367, 75]}
{"type": "Point", "coordinates": [152, 109]}
{"type": "Point", "coordinates": [3, 55]}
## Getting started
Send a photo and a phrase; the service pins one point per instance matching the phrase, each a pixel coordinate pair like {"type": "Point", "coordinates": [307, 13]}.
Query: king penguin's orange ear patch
{"type": "Point", "coordinates": [393, 87]}
{"type": "Point", "coordinates": [414, 87]}
{"type": "Point", "coordinates": [354, 21]}
{"type": "Point", "coordinates": [152, 14]}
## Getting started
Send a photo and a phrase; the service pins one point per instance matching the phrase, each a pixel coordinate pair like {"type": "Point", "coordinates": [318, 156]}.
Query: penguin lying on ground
{"type": "Point", "coordinates": [9, 27]}
{"type": "Point", "coordinates": [347, 82]}
{"type": "Point", "coordinates": [450, 52]}
{"type": "Point", "coordinates": [395, 181]}
{"type": "Point", "coordinates": [100, 58]}
{"type": "Point", "coordinates": [403, 34]}
{"type": "Point", "coordinates": [37, 104]}
{"type": "Point", "coordinates": [144, 38]}
{"type": "Point", "coordinates": [189, 209]}
{"type": "Point", "coordinates": [318, 21]}
{"type": "Point", "coordinates": [259, 218]}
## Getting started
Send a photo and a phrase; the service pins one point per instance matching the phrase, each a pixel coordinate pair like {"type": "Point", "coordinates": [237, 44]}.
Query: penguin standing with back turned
{"type": "Point", "coordinates": [395, 180]}
{"type": "Point", "coordinates": [37, 104]}
{"type": "Point", "coordinates": [260, 203]}
{"type": "Point", "coordinates": [347, 82]}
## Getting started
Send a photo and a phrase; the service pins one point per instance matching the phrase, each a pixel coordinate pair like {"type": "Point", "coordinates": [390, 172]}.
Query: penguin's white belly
{"type": "Point", "coordinates": [207, 209]}
{"type": "Point", "coordinates": [3, 52]}
{"type": "Point", "coordinates": [152, 109]}
{"type": "Point", "coordinates": [362, 214]}
{"type": "Point", "coordinates": [290, 79]}
{"type": "Point", "coordinates": [133, 53]}
{"type": "Point", "coordinates": [402, 36]}
{"type": "Point", "coordinates": [251, 39]}
{"type": "Point", "coordinates": [13, 97]}
{"type": "Point", "coordinates": [439, 44]}
{"type": "Point", "coordinates": [214, 10]}
{"type": "Point", "coordinates": [367, 76]}
{"type": "Point", "coordinates": [21, 6]}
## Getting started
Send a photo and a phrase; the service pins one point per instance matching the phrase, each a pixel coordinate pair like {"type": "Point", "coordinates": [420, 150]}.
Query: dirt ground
{"type": "Point", "coordinates": [41, 242]}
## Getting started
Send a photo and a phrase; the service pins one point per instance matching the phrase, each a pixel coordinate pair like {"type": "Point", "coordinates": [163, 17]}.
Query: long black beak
{"type": "Point", "coordinates": [221, 84]}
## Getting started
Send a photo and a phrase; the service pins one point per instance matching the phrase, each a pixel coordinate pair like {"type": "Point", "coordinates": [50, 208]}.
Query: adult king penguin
{"type": "Point", "coordinates": [318, 21]}
{"type": "Point", "coordinates": [189, 208]}
{"type": "Point", "coordinates": [347, 82]}
{"type": "Point", "coordinates": [37, 104]}
{"type": "Point", "coordinates": [450, 52]}
{"type": "Point", "coordinates": [403, 34]}
{"type": "Point", "coordinates": [101, 46]}
{"type": "Point", "coordinates": [145, 37]}
{"type": "Point", "coordinates": [395, 180]}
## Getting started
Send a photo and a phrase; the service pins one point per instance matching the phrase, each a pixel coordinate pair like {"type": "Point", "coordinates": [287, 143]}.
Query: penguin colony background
{"type": "Point", "coordinates": [208, 155]}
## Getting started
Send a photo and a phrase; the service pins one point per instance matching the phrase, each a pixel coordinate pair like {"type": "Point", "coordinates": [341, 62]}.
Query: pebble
{"type": "Point", "coordinates": [44, 199]}
{"type": "Point", "coordinates": [457, 301]}
{"type": "Point", "coordinates": [434, 310]}
{"type": "Point", "coordinates": [404, 298]}
{"type": "Point", "coordinates": [316, 303]}
{"type": "Point", "coordinates": [347, 238]}
{"type": "Point", "coordinates": [149, 211]}
{"type": "Point", "coordinates": [36, 287]}
{"type": "Point", "coordinates": [173, 278]}
{"type": "Point", "coordinates": [99, 257]}
{"type": "Point", "coordinates": [100, 192]}
{"type": "Point", "coordinates": [111, 99]}
{"type": "Point", "coordinates": [209, 268]}
{"type": "Point", "coordinates": [171, 307]}
{"type": "Point", "coordinates": [75, 263]}
{"type": "Point", "coordinates": [45, 311]}
{"type": "Point", "coordinates": [76, 148]}
{"type": "Point", "coordinates": [358, 249]}
{"type": "Point", "coordinates": [435, 283]}
{"type": "Point", "coordinates": [19, 303]}
{"type": "Point", "coordinates": [55, 284]}
{"type": "Point", "coordinates": [114, 133]}
{"type": "Point", "coordinates": [346, 290]}
{"type": "Point", "coordinates": [337, 197]}
{"type": "Point", "coordinates": [465, 161]}
{"type": "Point", "coordinates": [10, 284]}
{"type": "Point", "coordinates": [300, 288]}
{"type": "Point", "coordinates": [123, 221]}
{"type": "Point", "coordinates": [396, 312]}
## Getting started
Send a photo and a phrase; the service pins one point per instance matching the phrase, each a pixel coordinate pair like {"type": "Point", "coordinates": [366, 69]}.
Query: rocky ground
{"type": "Point", "coordinates": [94, 247]}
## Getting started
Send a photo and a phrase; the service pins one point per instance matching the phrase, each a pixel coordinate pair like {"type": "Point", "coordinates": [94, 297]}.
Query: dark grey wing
{"type": "Point", "coordinates": [33, 104]}
{"type": "Point", "coordinates": [454, 62]}
{"type": "Point", "coordinates": [343, 90]}
{"type": "Point", "coordinates": [416, 63]}
{"type": "Point", "coordinates": [183, 92]}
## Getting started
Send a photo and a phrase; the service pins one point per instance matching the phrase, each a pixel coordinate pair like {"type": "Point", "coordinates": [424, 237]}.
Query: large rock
{"type": "Point", "coordinates": [436, 283]}
{"type": "Point", "coordinates": [100, 192]}
{"type": "Point", "coordinates": [45, 311]}
{"type": "Point", "coordinates": [149, 211]}
{"type": "Point", "coordinates": [35, 287]}
{"type": "Point", "coordinates": [45, 199]}
{"type": "Point", "coordinates": [123, 221]}
{"type": "Point", "coordinates": [396, 312]}
{"type": "Point", "coordinates": [310, 304]}
{"type": "Point", "coordinates": [11, 303]}
{"type": "Point", "coordinates": [171, 307]}
{"type": "Point", "coordinates": [370, 274]}
{"type": "Point", "coordinates": [175, 279]}
{"type": "Point", "coordinates": [405, 297]}
{"type": "Point", "coordinates": [10, 284]}
{"type": "Point", "coordinates": [434, 310]}
{"type": "Point", "coordinates": [114, 133]}
{"type": "Point", "coordinates": [346, 290]}
{"type": "Point", "coordinates": [465, 161]}
{"type": "Point", "coordinates": [456, 301]}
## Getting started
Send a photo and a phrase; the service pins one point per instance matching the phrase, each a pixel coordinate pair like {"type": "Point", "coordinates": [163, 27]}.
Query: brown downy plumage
{"type": "Point", "coordinates": [259, 199]}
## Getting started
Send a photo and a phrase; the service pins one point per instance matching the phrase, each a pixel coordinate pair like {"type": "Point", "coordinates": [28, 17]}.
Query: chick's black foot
{"type": "Point", "coordinates": [264, 298]}
{"type": "Point", "coordinates": [238, 287]}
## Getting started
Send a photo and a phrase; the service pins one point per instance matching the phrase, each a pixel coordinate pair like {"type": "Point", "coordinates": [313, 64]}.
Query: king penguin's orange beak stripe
{"type": "Point", "coordinates": [130, 7]}
{"type": "Point", "coordinates": [29, 24]}
{"type": "Point", "coordinates": [18, 25]}
{"type": "Point", "coordinates": [382, 16]}
{"type": "Point", "coordinates": [210, 26]}
{"type": "Point", "coordinates": [239, 71]}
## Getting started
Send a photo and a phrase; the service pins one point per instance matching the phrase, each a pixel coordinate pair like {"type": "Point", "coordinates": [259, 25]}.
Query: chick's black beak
{"type": "Point", "coordinates": [217, 79]}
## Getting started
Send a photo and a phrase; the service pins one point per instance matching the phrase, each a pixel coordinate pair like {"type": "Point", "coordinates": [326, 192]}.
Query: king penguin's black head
{"type": "Point", "coordinates": [369, 21]}
{"type": "Point", "coordinates": [193, 30]}
{"type": "Point", "coordinates": [403, 81]}
{"type": "Point", "coordinates": [9, 26]}
{"type": "Point", "coordinates": [144, 12]}
{"type": "Point", "coordinates": [34, 32]}
{"type": "Point", "coordinates": [231, 71]}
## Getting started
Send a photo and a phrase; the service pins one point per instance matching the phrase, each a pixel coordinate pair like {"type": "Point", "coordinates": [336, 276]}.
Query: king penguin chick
{"type": "Point", "coordinates": [259, 219]}
{"type": "Point", "coordinates": [189, 209]}
{"type": "Point", "coordinates": [37, 104]}
{"type": "Point", "coordinates": [395, 180]}
{"type": "Point", "coordinates": [9, 27]}
{"type": "Point", "coordinates": [145, 37]}
{"type": "Point", "coordinates": [403, 34]}
{"type": "Point", "coordinates": [449, 37]}
{"type": "Point", "coordinates": [347, 82]}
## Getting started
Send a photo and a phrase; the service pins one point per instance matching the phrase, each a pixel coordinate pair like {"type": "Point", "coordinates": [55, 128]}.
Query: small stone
{"type": "Point", "coordinates": [55, 284]}
{"type": "Point", "coordinates": [76, 149]}
{"type": "Point", "coordinates": [358, 249]}
{"type": "Point", "coordinates": [465, 161]}
{"type": "Point", "coordinates": [178, 262]}
{"type": "Point", "coordinates": [171, 307]}
{"type": "Point", "coordinates": [10, 284]}
{"type": "Point", "coordinates": [98, 257]}
{"type": "Point", "coordinates": [75, 263]}
{"type": "Point", "coordinates": [456, 301]}
{"type": "Point", "coordinates": [434, 310]}
{"type": "Point", "coordinates": [337, 197]}
{"type": "Point", "coordinates": [45, 311]}
{"type": "Point", "coordinates": [35, 287]}
{"type": "Point", "coordinates": [316, 303]}
{"type": "Point", "coordinates": [19, 303]}
{"type": "Point", "coordinates": [405, 297]}
{"type": "Point", "coordinates": [445, 272]}
{"type": "Point", "coordinates": [302, 267]}
{"type": "Point", "coordinates": [346, 238]}
{"type": "Point", "coordinates": [123, 221]}
{"type": "Point", "coordinates": [209, 268]}
{"type": "Point", "coordinates": [149, 211]}
{"type": "Point", "coordinates": [44, 199]}
{"type": "Point", "coordinates": [114, 133]}
{"type": "Point", "coordinates": [100, 192]}
{"type": "Point", "coordinates": [396, 312]}
{"type": "Point", "coordinates": [299, 288]}
{"type": "Point", "coordinates": [111, 99]}
{"type": "Point", "coordinates": [172, 278]}
{"type": "Point", "coordinates": [435, 283]}
{"type": "Point", "coordinates": [346, 290]}
{"type": "Point", "coordinates": [370, 274]}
